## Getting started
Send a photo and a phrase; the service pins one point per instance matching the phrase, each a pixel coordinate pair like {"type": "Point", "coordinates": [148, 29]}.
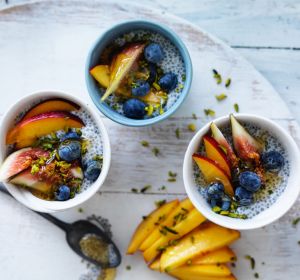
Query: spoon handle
{"type": "Point", "coordinates": [64, 226]}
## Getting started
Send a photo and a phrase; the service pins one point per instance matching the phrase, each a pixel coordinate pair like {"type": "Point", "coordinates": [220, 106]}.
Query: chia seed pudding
{"type": "Point", "coordinates": [154, 81]}
{"type": "Point", "coordinates": [273, 182]}
{"type": "Point", "coordinates": [55, 150]}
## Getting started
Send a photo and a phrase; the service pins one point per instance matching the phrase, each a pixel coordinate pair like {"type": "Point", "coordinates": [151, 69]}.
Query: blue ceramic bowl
{"type": "Point", "coordinates": [109, 36]}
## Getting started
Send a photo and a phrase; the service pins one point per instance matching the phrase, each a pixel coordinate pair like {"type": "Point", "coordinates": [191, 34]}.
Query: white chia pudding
{"type": "Point", "coordinates": [171, 62]}
{"type": "Point", "coordinates": [274, 183]}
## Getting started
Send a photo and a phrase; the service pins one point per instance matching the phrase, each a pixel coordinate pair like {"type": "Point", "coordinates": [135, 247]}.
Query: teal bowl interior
{"type": "Point", "coordinates": [110, 35]}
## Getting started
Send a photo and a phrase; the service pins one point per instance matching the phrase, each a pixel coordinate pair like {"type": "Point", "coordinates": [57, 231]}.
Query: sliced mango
{"type": "Point", "coordinates": [201, 270]}
{"type": "Point", "coordinates": [155, 265]}
{"type": "Point", "coordinates": [179, 212]}
{"type": "Point", "coordinates": [203, 239]}
{"type": "Point", "coordinates": [192, 220]}
{"type": "Point", "coordinates": [222, 255]}
{"type": "Point", "coordinates": [149, 224]}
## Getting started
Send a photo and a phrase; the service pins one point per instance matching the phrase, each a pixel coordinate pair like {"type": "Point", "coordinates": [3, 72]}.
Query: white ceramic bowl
{"type": "Point", "coordinates": [277, 209]}
{"type": "Point", "coordinates": [25, 197]}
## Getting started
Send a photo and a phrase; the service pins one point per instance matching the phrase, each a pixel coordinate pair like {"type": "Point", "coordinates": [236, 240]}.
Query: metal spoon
{"type": "Point", "coordinates": [81, 230]}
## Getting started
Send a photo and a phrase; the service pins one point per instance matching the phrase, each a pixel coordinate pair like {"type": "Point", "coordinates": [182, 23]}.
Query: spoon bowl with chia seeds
{"type": "Point", "coordinates": [278, 190]}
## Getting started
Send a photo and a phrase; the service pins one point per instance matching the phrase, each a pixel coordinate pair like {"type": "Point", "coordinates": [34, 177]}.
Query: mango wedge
{"type": "Point", "coordinates": [222, 255]}
{"type": "Point", "coordinates": [155, 265]}
{"type": "Point", "coordinates": [121, 65]}
{"type": "Point", "coordinates": [101, 74]}
{"type": "Point", "coordinates": [205, 238]}
{"type": "Point", "coordinates": [198, 271]}
{"type": "Point", "coordinates": [149, 224]}
{"type": "Point", "coordinates": [192, 220]}
{"type": "Point", "coordinates": [179, 212]}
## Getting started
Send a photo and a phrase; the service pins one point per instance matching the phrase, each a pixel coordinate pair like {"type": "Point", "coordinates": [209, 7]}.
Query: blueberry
{"type": "Point", "coordinates": [215, 191]}
{"type": "Point", "coordinates": [69, 150]}
{"type": "Point", "coordinates": [243, 196]}
{"type": "Point", "coordinates": [62, 193]}
{"type": "Point", "coordinates": [141, 88]}
{"type": "Point", "coordinates": [168, 81]}
{"type": "Point", "coordinates": [272, 161]}
{"type": "Point", "coordinates": [152, 73]}
{"type": "Point", "coordinates": [214, 202]}
{"type": "Point", "coordinates": [134, 108]}
{"type": "Point", "coordinates": [154, 53]}
{"type": "Point", "coordinates": [92, 170]}
{"type": "Point", "coordinates": [71, 135]}
{"type": "Point", "coordinates": [226, 203]}
{"type": "Point", "coordinates": [250, 181]}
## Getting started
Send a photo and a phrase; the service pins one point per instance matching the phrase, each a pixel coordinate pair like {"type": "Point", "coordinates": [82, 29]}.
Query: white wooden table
{"type": "Point", "coordinates": [44, 46]}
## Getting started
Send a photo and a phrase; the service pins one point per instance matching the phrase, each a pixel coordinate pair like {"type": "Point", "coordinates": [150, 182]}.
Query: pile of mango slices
{"type": "Point", "coordinates": [177, 239]}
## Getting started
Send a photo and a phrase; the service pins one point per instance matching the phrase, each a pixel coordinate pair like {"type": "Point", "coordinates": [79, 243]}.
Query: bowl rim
{"type": "Point", "coordinates": [176, 40]}
{"type": "Point", "coordinates": [24, 196]}
{"type": "Point", "coordinates": [282, 204]}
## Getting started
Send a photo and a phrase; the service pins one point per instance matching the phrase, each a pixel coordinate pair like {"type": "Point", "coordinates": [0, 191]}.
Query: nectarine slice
{"type": "Point", "coordinates": [121, 65]}
{"type": "Point", "coordinates": [245, 145]}
{"type": "Point", "coordinates": [205, 238]}
{"type": "Point", "coordinates": [214, 152]}
{"type": "Point", "coordinates": [57, 104]}
{"type": "Point", "coordinates": [213, 172]}
{"type": "Point", "coordinates": [27, 131]}
{"type": "Point", "coordinates": [220, 138]}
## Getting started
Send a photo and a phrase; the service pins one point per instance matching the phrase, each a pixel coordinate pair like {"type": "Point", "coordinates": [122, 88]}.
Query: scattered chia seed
{"type": "Point", "coordinates": [156, 151]}
{"type": "Point", "coordinates": [177, 133]}
{"type": "Point", "coordinates": [128, 267]}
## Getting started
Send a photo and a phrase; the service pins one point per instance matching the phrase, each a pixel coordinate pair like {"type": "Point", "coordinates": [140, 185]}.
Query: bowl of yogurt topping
{"type": "Point", "coordinates": [54, 151]}
{"type": "Point", "coordinates": [240, 171]}
{"type": "Point", "coordinates": [138, 73]}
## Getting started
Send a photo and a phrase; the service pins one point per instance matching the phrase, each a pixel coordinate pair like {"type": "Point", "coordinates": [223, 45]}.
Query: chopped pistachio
{"type": "Point", "coordinates": [236, 107]}
{"type": "Point", "coordinates": [194, 116]}
{"type": "Point", "coordinates": [98, 157]}
{"type": "Point", "coordinates": [228, 82]}
{"type": "Point", "coordinates": [252, 261]}
{"type": "Point", "coordinates": [171, 180]}
{"type": "Point", "coordinates": [34, 169]}
{"type": "Point", "coordinates": [84, 146]}
{"type": "Point", "coordinates": [209, 112]}
{"type": "Point", "coordinates": [162, 188]}
{"type": "Point", "coordinates": [217, 76]}
{"type": "Point", "coordinates": [128, 267]}
{"type": "Point", "coordinates": [167, 229]}
{"type": "Point", "coordinates": [177, 133]}
{"type": "Point", "coordinates": [155, 151]}
{"type": "Point", "coordinates": [156, 86]}
{"type": "Point", "coordinates": [296, 221]}
{"type": "Point", "coordinates": [145, 143]}
{"type": "Point", "coordinates": [216, 209]}
{"type": "Point", "coordinates": [238, 216]}
{"type": "Point", "coordinates": [149, 109]}
{"type": "Point", "coordinates": [80, 210]}
{"type": "Point", "coordinates": [270, 192]}
{"type": "Point", "coordinates": [161, 110]}
{"type": "Point", "coordinates": [146, 188]}
{"type": "Point", "coordinates": [160, 202]}
{"type": "Point", "coordinates": [172, 174]}
{"type": "Point", "coordinates": [192, 127]}
{"type": "Point", "coordinates": [134, 190]}
{"type": "Point", "coordinates": [256, 275]}
{"type": "Point", "coordinates": [221, 96]}
{"type": "Point", "coordinates": [183, 77]}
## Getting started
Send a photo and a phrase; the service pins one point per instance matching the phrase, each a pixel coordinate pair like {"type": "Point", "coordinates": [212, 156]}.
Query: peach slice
{"type": "Point", "coordinates": [101, 74]}
{"type": "Point", "coordinates": [27, 131]}
{"type": "Point", "coordinates": [56, 104]}
{"type": "Point", "coordinates": [121, 65]}
{"type": "Point", "coordinates": [19, 161]}
{"type": "Point", "coordinates": [213, 172]}
{"type": "Point", "coordinates": [214, 152]}
{"type": "Point", "coordinates": [220, 138]}
{"type": "Point", "coordinates": [245, 145]}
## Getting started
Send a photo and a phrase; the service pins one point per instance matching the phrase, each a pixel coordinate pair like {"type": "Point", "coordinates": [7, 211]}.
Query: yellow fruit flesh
{"type": "Point", "coordinates": [192, 220]}
{"type": "Point", "coordinates": [149, 224]}
{"type": "Point", "coordinates": [205, 238]}
{"type": "Point", "coordinates": [182, 209]}
{"type": "Point", "coordinates": [222, 255]}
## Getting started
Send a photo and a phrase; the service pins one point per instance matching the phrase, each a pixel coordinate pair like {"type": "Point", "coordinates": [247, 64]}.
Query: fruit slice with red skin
{"type": "Point", "coordinates": [121, 65]}
{"type": "Point", "coordinates": [213, 172]}
{"type": "Point", "coordinates": [245, 145]}
{"type": "Point", "coordinates": [19, 161]}
{"type": "Point", "coordinates": [214, 152]}
{"type": "Point", "coordinates": [27, 131]}
{"type": "Point", "coordinates": [56, 104]}
{"type": "Point", "coordinates": [26, 179]}
{"type": "Point", "coordinates": [220, 138]}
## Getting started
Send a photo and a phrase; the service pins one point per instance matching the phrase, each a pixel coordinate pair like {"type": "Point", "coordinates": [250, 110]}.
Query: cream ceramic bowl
{"type": "Point", "coordinates": [283, 203]}
{"type": "Point", "coordinates": [24, 196]}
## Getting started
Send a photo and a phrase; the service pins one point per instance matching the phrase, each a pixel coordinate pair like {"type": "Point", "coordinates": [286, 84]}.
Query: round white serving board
{"type": "Point", "coordinates": [44, 46]}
